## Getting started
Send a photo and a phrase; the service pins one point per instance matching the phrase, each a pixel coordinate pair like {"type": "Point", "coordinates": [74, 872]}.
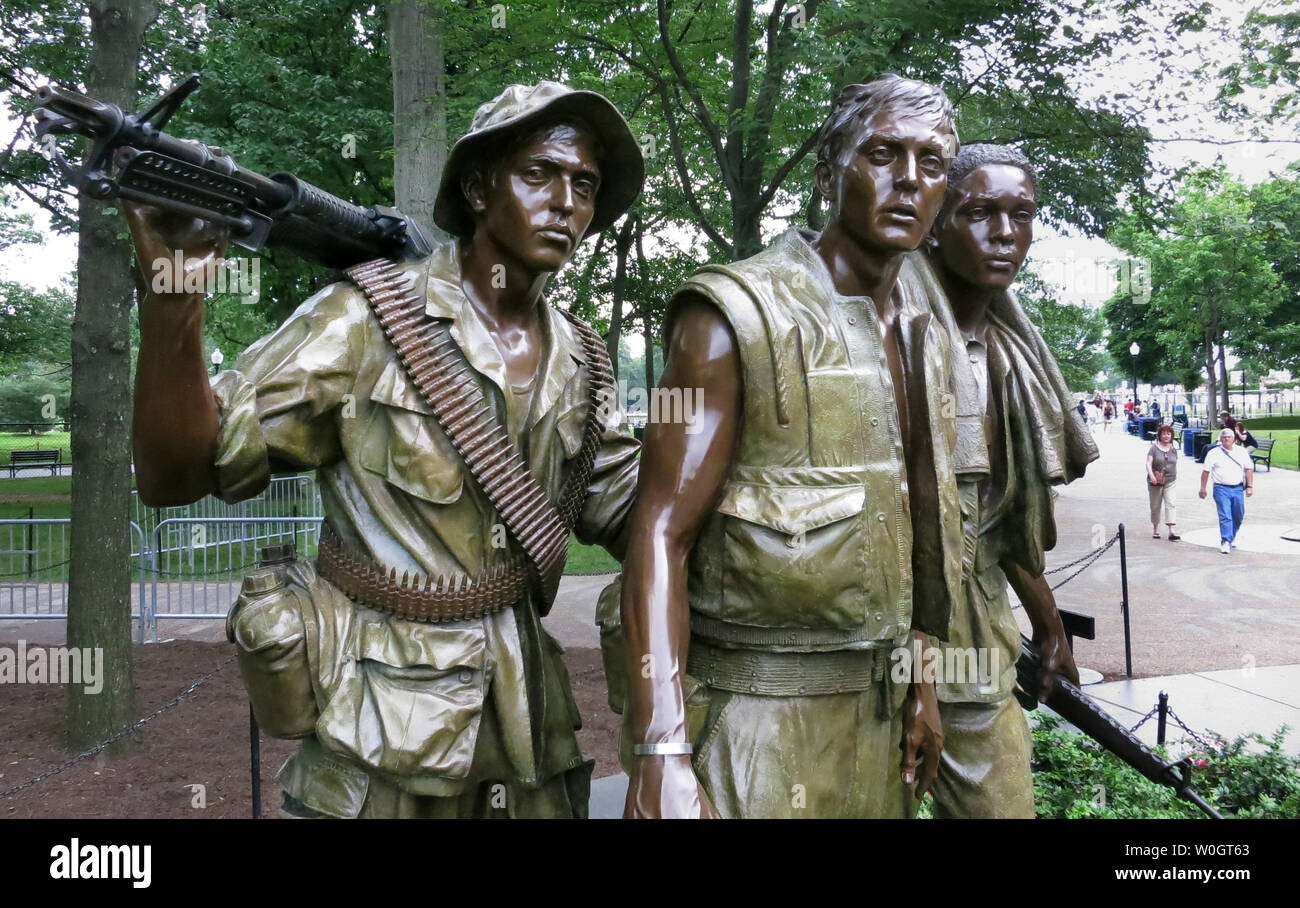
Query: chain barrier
{"type": "Point", "coordinates": [30, 572]}
{"type": "Point", "coordinates": [126, 730]}
{"type": "Point", "coordinates": [1169, 712]}
{"type": "Point", "coordinates": [1090, 558]}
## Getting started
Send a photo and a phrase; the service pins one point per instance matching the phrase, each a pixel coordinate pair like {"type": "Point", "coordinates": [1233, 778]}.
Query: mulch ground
{"type": "Point", "coordinates": [203, 740]}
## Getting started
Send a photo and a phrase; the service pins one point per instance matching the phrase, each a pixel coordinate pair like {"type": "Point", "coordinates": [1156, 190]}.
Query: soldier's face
{"type": "Point", "coordinates": [985, 237]}
{"type": "Point", "coordinates": [888, 183]}
{"type": "Point", "coordinates": [543, 198]}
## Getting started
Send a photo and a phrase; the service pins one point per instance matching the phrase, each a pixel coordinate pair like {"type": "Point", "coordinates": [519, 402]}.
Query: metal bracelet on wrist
{"type": "Point", "coordinates": [663, 749]}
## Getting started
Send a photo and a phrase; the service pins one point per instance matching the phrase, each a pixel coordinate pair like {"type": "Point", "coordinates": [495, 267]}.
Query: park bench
{"type": "Point", "coordinates": [1264, 453]}
{"type": "Point", "coordinates": [38, 458]}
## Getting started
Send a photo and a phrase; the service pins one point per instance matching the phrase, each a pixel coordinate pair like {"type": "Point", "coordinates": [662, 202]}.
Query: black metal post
{"type": "Point", "coordinates": [255, 760]}
{"type": "Point", "coordinates": [1162, 716]}
{"type": "Point", "coordinates": [1123, 581]}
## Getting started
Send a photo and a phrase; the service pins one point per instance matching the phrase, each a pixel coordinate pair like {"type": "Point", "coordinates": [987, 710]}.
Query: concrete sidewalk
{"type": "Point", "coordinates": [1228, 703]}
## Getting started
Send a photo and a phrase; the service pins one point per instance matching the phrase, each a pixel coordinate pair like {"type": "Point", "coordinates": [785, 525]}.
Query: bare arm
{"type": "Point", "coordinates": [175, 419]}
{"type": "Point", "coordinates": [1049, 634]}
{"type": "Point", "coordinates": [683, 469]}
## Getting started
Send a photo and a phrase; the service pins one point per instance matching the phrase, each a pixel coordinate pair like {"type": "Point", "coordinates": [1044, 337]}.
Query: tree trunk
{"type": "Point", "coordinates": [419, 105]}
{"type": "Point", "coordinates": [1216, 332]}
{"type": "Point", "coordinates": [622, 246]}
{"type": "Point", "coordinates": [99, 569]}
{"type": "Point", "coordinates": [647, 323]}
{"type": "Point", "coordinates": [1211, 383]}
{"type": "Point", "coordinates": [747, 239]}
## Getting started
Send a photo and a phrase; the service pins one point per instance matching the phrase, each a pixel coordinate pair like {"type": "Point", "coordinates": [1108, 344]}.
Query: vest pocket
{"type": "Point", "coordinates": [794, 555]}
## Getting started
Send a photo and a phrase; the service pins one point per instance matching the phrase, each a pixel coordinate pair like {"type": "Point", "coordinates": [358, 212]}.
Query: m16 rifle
{"type": "Point", "coordinates": [132, 158]}
{"type": "Point", "coordinates": [1081, 711]}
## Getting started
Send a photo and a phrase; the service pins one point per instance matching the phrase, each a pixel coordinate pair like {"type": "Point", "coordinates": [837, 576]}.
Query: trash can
{"type": "Point", "coordinates": [1189, 442]}
{"type": "Point", "coordinates": [1202, 442]}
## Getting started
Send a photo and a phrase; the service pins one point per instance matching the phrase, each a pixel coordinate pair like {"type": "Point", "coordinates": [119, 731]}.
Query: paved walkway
{"type": "Point", "coordinates": [1192, 608]}
{"type": "Point", "coordinates": [1229, 703]}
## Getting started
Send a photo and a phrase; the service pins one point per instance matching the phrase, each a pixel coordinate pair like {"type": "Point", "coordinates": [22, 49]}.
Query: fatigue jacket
{"type": "Point", "coordinates": [327, 392]}
{"type": "Point", "coordinates": [826, 536]}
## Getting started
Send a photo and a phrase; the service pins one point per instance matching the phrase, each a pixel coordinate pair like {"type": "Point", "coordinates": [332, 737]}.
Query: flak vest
{"type": "Point", "coordinates": [826, 537]}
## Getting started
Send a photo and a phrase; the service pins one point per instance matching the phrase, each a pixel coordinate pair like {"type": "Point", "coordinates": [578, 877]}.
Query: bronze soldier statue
{"type": "Point", "coordinates": [807, 523]}
{"type": "Point", "coordinates": [453, 419]}
{"type": "Point", "coordinates": [1018, 433]}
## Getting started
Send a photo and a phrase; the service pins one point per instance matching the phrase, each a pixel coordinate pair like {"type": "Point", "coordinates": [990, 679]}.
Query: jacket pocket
{"type": "Point", "coordinates": [408, 704]}
{"type": "Point", "coordinates": [405, 444]}
{"type": "Point", "coordinates": [794, 555]}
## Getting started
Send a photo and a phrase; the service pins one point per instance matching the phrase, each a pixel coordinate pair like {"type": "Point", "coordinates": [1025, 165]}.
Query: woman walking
{"type": "Point", "coordinates": [1162, 471]}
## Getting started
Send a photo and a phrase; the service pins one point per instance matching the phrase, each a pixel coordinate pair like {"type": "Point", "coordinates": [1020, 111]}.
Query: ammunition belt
{"type": "Point", "coordinates": [773, 674]}
{"type": "Point", "coordinates": [445, 379]}
{"type": "Point", "coordinates": [419, 597]}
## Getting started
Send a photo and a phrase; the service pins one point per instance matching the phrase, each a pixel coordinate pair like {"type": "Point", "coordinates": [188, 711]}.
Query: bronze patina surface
{"type": "Point", "coordinates": [812, 498]}
{"type": "Point", "coordinates": [1018, 434]}
{"type": "Point", "coordinates": [407, 717]}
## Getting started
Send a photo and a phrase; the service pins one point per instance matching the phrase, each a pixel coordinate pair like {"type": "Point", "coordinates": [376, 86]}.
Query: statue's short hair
{"type": "Point", "coordinates": [971, 158]}
{"type": "Point", "coordinates": [856, 103]}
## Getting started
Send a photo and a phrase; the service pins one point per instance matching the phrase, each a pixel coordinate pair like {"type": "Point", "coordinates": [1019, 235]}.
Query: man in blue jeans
{"type": "Point", "coordinates": [1234, 479]}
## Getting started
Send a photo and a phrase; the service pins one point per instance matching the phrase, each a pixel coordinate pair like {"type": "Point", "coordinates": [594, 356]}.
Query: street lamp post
{"type": "Point", "coordinates": [1134, 350]}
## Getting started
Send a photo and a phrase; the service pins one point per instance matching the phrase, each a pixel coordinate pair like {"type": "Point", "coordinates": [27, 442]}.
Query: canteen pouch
{"type": "Point", "coordinates": [613, 651]}
{"type": "Point", "coordinates": [266, 625]}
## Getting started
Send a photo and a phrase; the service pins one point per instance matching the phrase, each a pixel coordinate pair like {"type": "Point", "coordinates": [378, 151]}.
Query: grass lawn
{"type": "Point", "coordinates": [45, 496]}
{"type": "Point", "coordinates": [1286, 453]}
{"type": "Point", "coordinates": [15, 441]}
{"type": "Point", "coordinates": [1269, 423]}
{"type": "Point", "coordinates": [588, 559]}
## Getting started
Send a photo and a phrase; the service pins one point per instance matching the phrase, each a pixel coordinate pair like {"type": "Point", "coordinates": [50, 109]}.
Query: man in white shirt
{"type": "Point", "coordinates": [1234, 480]}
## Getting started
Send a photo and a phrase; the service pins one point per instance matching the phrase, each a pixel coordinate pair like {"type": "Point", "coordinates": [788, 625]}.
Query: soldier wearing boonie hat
{"type": "Point", "coordinates": [438, 716]}
{"type": "Point", "coordinates": [521, 108]}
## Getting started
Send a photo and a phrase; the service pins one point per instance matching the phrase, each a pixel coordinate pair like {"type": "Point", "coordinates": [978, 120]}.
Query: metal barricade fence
{"type": "Point", "coordinates": [186, 562]}
{"type": "Point", "coordinates": [285, 496]}
{"type": "Point", "coordinates": [34, 558]}
{"type": "Point", "coordinates": [196, 563]}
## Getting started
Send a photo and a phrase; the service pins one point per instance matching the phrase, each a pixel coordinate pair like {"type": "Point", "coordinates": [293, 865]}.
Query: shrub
{"type": "Point", "coordinates": [1251, 776]}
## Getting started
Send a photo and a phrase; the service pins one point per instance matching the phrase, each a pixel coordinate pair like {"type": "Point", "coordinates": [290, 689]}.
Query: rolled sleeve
{"type": "Point", "coordinates": [241, 466]}
{"type": "Point", "coordinates": [612, 487]}
{"type": "Point", "coordinates": [278, 404]}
